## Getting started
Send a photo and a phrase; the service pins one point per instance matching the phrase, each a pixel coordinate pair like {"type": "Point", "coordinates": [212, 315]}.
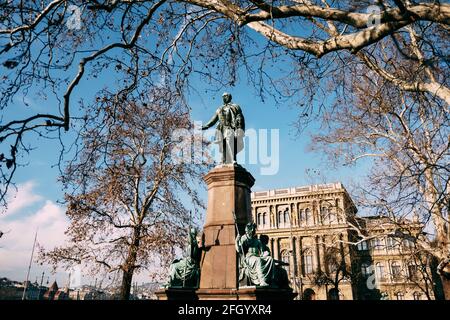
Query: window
{"type": "Point", "coordinates": [264, 220]}
{"type": "Point", "coordinates": [391, 243]}
{"type": "Point", "coordinates": [308, 217]}
{"type": "Point", "coordinates": [379, 273]}
{"type": "Point", "coordinates": [280, 220]}
{"type": "Point", "coordinates": [408, 244]}
{"type": "Point", "coordinates": [396, 270]}
{"type": "Point", "coordinates": [400, 296]}
{"type": "Point", "coordinates": [287, 219]}
{"type": "Point", "coordinates": [333, 218]}
{"type": "Point", "coordinates": [324, 215]}
{"type": "Point", "coordinates": [365, 269]}
{"type": "Point", "coordinates": [308, 262]}
{"type": "Point", "coordinates": [412, 271]}
{"type": "Point", "coordinates": [301, 217]}
{"type": "Point", "coordinates": [258, 220]}
{"type": "Point", "coordinates": [417, 295]}
{"type": "Point", "coordinates": [362, 246]}
{"type": "Point", "coordinates": [377, 243]}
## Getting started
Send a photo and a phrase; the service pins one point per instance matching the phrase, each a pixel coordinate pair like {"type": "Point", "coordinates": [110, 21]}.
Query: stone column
{"type": "Point", "coordinates": [276, 249]}
{"type": "Point", "coordinates": [299, 257]}
{"type": "Point", "coordinates": [294, 255]}
{"type": "Point", "coordinates": [294, 221]}
{"type": "Point", "coordinates": [322, 253]}
{"type": "Point", "coordinates": [318, 253]}
{"type": "Point", "coordinates": [271, 217]}
{"type": "Point", "coordinates": [228, 191]}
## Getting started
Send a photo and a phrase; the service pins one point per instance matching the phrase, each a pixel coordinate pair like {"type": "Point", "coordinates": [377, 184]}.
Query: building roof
{"type": "Point", "coordinates": [299, 190]}
{"type": "Point", "coordinates": [314, 189]}
{"type": "Point", "coordinates": [54, 286]}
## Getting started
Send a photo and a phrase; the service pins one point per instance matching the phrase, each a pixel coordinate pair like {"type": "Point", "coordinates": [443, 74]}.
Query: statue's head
{"type": "Point", "coordinates": [226, 97]}
{"type": "Point", "coordinates": [250, 229]}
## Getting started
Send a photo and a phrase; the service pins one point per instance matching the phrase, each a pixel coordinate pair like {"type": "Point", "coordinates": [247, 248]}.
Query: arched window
{"type": "Point", "coordinates": [396, 270]}
{"type": "Point", "coordinates": [286, 217]}
{"type": "Point", "coordinates": [264, 220]}
{"type": "Point", "coordinates": [308, 261]}
{"type": "Point", "coordinates": [362, 246]}
{"type": "Point", "coordinates": [258, 219]}
{"type": "Point", "coordinates": [391, 244]}
{"type": "Point", "coordinates": [417, 296]}
{"type": "Point", "coordinates": [300, 217]}
{"type": "Point", "coordinates": [332, 216]}
{"type": "Point", "coordinates": [308, 217]}
{"type": "Point", "coordinates": [377, 243]}
{"type": "Point", "coordinates": [412, 271]}
{"type": "Point", "coordinates": [408, 244]}
{"type": "Point", "coordinates": [400, 296]}
{"type": "Point", "coordinates": [379, 273]}
{"type": "Point", "coordinates": [280, 220]}
{"type": "Point", "coordinates": [324, 215]}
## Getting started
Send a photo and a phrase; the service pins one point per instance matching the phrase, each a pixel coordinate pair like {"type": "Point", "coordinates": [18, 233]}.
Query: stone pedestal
{"type": "Point", "coordinates": [228, 192]}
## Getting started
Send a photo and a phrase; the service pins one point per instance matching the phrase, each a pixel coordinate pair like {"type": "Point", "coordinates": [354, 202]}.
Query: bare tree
{"type": "Point", "coordinates": [127, 195]}
{"type": "Point", "coordinates": [336, 270]}
{"type": "Point", "coordinates": [406, 138]}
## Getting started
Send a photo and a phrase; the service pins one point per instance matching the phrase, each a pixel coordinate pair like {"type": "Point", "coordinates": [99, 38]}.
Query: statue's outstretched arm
{"type": "Point", "coordinates": [211, 122]}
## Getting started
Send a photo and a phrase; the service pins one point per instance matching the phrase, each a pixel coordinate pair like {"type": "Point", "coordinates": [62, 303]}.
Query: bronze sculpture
{"type": "Point", "coordinates": [185, 272]}
{"type": "Point", "coordinates": [256, 264]}
{"type": "Point", "coordinates": [230, 129]}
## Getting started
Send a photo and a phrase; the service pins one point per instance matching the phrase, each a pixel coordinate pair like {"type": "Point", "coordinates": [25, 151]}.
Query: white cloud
{"type": "Point", "coordinates": [16, 244]}
{"type": "Point", "coordinates": [23, 198]}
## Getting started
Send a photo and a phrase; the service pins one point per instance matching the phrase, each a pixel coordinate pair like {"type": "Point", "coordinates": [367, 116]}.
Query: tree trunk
{"type": "Point", "coordinates": [436, 210]}
{"type": "Point", "coordinates": [125, 287]}
{"type": "Point", "coordinates": [129, 266]}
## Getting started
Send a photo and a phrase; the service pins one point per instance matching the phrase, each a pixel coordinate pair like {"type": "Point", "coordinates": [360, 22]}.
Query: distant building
{"type": "Point", "coordinates": [310, 227]}
{"type": "Point", "coordinates": [13, 290]}
{"type": "Point", "coordinates": [54, 293]}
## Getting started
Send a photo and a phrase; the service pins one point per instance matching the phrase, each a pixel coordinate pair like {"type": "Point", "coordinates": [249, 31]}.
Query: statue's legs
{"type": "Point", "coordinates": [259, 270]}
{"type": "Point", "coordinates": [234, 148]}
{"type": "Point", "coordinates": [228, 148]}
{"type": "Point", "coordinates": [224, 150]}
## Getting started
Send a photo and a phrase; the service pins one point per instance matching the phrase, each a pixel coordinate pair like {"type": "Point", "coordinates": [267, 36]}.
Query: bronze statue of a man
{"type": "Point", "coordinates": [230, 130]}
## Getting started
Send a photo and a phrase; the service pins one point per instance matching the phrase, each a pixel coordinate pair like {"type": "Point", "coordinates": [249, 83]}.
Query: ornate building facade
{"type": "Point", "coordinates": [313, 229]}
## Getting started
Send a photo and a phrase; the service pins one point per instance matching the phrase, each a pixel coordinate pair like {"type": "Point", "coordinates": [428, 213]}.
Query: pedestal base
{"type": "Point", "coordinates": [176, 294]}
{"type": "Point", "coordinates": [249, 293]}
